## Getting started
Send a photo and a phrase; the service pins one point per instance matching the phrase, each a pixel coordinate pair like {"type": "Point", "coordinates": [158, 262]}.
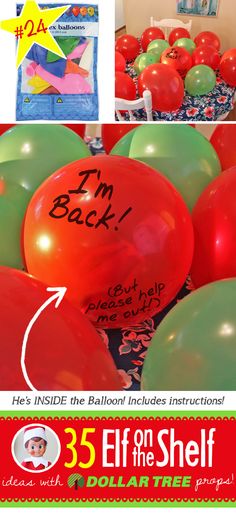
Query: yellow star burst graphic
{"type": "Point", "coordinates": [32, 27]}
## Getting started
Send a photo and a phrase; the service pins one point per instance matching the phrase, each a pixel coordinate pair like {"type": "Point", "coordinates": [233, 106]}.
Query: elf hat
{"type": "Point", "coordinates": [34, 431]}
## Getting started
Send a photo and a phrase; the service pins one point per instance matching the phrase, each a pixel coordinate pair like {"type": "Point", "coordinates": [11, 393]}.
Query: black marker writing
{"type": "Point", "coordinates": [93, 219]}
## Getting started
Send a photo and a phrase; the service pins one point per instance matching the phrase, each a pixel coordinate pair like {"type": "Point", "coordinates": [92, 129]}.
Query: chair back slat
{"type": "Point", "coordinates": [134, 105]}
{"type": "Point", "coordinates": [168, 24]}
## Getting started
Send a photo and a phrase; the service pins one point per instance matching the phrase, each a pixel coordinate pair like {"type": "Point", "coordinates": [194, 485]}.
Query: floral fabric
{"type": "Point", "coordinates": [199, 108]}
{"type": "Point", "coordinates": [128, 346]}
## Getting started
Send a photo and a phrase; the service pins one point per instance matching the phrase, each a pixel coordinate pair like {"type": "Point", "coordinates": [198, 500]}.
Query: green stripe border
{"type": "Point", "coordinates": [115, 414]}
{"type": "Point", "coordinates": [120, 505]}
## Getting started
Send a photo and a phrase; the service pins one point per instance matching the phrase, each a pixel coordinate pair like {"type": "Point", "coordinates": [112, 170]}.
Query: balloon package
{"type": "Point", "coordinates": [54, 88]}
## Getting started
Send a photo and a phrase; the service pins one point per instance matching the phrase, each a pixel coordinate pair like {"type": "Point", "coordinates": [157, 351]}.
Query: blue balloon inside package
{"type": "Point", "coordinates": [53, 88]}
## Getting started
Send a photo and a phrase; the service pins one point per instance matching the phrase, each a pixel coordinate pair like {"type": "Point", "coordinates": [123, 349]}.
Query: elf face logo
{"type": "Point", "coordinates": [36, 448]}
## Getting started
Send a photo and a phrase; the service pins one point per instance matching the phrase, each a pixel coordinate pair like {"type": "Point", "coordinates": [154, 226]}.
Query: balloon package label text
{"type": "Point", "coordinates": [90, 459]}
{"type": "Point", "coordinates": [51, 87]}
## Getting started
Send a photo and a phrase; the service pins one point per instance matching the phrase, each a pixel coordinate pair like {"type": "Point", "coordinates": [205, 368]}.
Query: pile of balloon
{"type": "Point", "coordinates": [120, 232]}
{"type": "Point", "coordinates": [169, 68]}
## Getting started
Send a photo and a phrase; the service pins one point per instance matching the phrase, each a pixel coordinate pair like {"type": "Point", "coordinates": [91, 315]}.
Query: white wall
{"type": "Point", "coordinates": [138, 13]}
{"type": "Point", "coordinates": [120, 18]}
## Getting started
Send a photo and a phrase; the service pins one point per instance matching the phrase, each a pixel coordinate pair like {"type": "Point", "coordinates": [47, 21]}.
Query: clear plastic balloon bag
{"type": "Point", "coordinates": [54, 88]}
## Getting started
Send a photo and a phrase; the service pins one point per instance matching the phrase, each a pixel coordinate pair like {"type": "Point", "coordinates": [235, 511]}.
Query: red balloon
{"type": "Point", "coordinates": [124, 86]}
{"type": "Point", "coordinates": [150, 35]}
{"type": "Point", "coordinates": [165, 84]}
{"type": "Point", "coordinates": [4, 128]}
{"type": "Point", "coordinates": [112, 133]}
{"type": "Point", "coordinates": [229, 53]}
{"type": "Point", "coordinates": [223, 139]}
{"type": "Point", "coordinates": [120, 64]}
{"type": "Point", "coordinates": [78, 128]}
{"type": "Point", "coordinates": [207, 38]}
{"type": "Point", "coordinates": [178, 58]}
{"type": "Point", "coordinates": [178, 34]}
{"type": "Point", "coordinates": [214, 221]}
{"type": "Point", "coordinates": [63, 350]}
{"type": "Point", "coordinates": [119, 236]}
{"type": "Point", "coordinates": [128, 46]}
{"type": "Point", "coordinates": [228, 67]}
{"type": "Point", "coordinates": [208, 55]}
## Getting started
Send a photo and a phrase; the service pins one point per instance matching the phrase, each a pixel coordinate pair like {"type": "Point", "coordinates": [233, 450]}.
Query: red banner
{"type": "Point", "coordinates": [118, 458]}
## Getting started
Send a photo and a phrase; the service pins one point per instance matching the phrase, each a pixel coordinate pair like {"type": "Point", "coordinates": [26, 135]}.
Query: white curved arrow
{"type": "Point", "coordinates": [58, 296]}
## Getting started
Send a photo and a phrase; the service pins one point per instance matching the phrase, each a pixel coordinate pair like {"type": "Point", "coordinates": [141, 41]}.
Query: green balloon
{"type": "Point", "coordinates": [186, 43]}
{"type": "Point", "coordinates": [144, 60]}
{"type": "Point", "coordinates": [13, 203]}
{"type": "Point", "coordinates": [157, 47]}
{"type": "Point", "coordinates": [180, 152]}
{"type": "Point", "coordinates": [66, 44]}
{"type": "Point", "coordinates": [200, 80]}
{"type": "Point", "coordinates": [28, 155]}
{"type": "Point", "coordinates": [36, 151]}
{"type": "Point", "coordinates": [194, 348]}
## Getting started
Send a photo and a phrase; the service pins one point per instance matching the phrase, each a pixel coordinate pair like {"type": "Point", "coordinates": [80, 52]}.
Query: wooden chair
{"type": "Point", "coordinates": [167, 25]}
{"type": "Point", "coordinates": [134, 105]}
